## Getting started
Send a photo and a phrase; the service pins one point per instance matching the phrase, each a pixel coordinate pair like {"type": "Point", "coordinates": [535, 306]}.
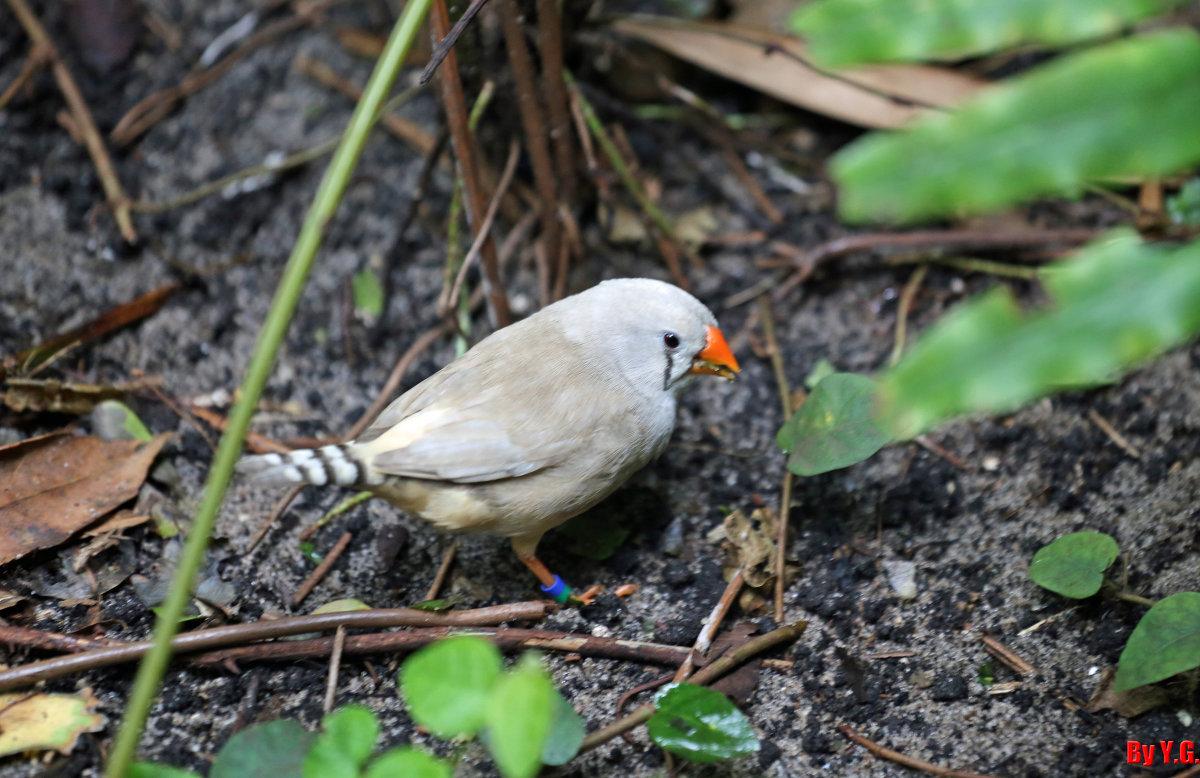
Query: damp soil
{"type": "Point", "coordinates": [904, 672]}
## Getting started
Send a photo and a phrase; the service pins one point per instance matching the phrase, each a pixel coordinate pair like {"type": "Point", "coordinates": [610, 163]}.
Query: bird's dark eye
{"type": "Point", "coordinates": [671, 340]}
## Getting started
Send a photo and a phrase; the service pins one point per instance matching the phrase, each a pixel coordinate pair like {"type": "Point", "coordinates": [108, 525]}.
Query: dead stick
{"type": "Point", "coordinates": [902, 310]}
{"type": "Point", "coordinates": [712, 672]}
{"type": "Point", "coordinates": [483, 232]}
{"type": "Point", "coordinates": [47, 641]}
{"type": "Point", "coordinates": [395, 377]}
{"type": "Point", "coordinates": [807, 262]}
{"type": "Point", "coordinates": [455, 104]}
{"type": "Point", "coordinates": [443, 569]}
{"type": "Point", "coordinates": [785, 499]}
{"type": "Point", "coordinates": [506, 638]}
{"type": "Point", "coordinates": [715, 617]}
{"type": "Point", "coordinates": [37, 57]}
{"type": "Point", "coordinates": [899, 758]}
{"type": "Point", "coordinates": [550, 46]}
{"type": "Point", "coordinates": [200, 640]}
{"type": "Point", "coordinates": [317, 574]}
{"type": "Point", "coordinates": [534, 123]}
{"type": "Point", "coordinates": [443, 47]}
{"type": "Point", "coordinates": [335, 660]}
{"type": "Point", "coordinates": [117, 199]}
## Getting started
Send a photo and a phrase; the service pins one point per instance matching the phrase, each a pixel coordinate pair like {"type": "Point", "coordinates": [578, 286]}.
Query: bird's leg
{"type": "Point", "coordinates": [525, 547]}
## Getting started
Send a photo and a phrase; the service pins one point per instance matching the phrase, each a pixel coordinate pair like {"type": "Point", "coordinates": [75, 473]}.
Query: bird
{"type": "Point", "coordinates": [533, 425]}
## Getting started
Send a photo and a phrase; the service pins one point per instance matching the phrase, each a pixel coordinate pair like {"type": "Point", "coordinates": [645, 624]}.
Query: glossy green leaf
{"type": "Point", "coordinates": [519, 717]}
{"type": "Point", "coordinates": [1165, 642]}
{"type": "Point", "coordinates": [447, 685]}
{"type": "Point", "coordinates": [368, 294]}
{"type": "Point", "coordinates": [849, 32]}
{"type": "Point", "coordinates": [835, 427]}
{"type": "Point", "coordinates": [566, 733]}
{"type": "Point", "coordinates": [1125, 109]}
{"type": "Point", "coordinates": [700, 724]}
{"type": "Point", "coordinates": [1074, 564]}
{"type": "Point", "coordinates": [1115, 304]}
{"type": "Point", "coordinates": [153, 770]}
{"type": "Point", "coordinates": [407, 762]}
{"type": "Point", "coordinates": [346, 741]}
{"type": "Point", "coordinates": [273, 748]}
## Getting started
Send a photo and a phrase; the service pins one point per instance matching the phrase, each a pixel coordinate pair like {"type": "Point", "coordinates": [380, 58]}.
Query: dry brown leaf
{"type": "Point", "coordinates": [42, 722]}
{"type": "Point", "coordinates": [1129, 703]}
{"type": "Point", "coordinates": [51, 487]}
{"type": "Point", "coordinates": [753, 545]}
{"type": "Point", "coordinates": [779, 66]}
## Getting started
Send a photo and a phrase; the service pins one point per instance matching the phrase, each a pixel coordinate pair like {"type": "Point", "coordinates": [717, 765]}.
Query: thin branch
{"type": "Point", "coordinates": [82, 117]}
{"type": "Point", "coordinates": [319, 572]}
{"type": "Point", "coordinates": [335, 661]}
{"type": "Point", "coordinates": [899, 758]}
{"type": "Point", "coordinates": [439, 579]}
{"type": "Point", "coordinates": [709, 629]}
{"type": "Point", "coordinates": [442, 48]}
{"type": "Point", "coordinates": [38, 56]}
{"type": "Point", "coordinates": [455, 104]}
{"type": "Point", "coordinates": [785, 499]}
{"type": "Point", "coordinates": [534, 123]}
{"type": "Point", "coordinates": [217, 637]}
{"type": "Point", "coordinates": [906, 300]}
{"type": "Point", "coordinates": [550, 46]}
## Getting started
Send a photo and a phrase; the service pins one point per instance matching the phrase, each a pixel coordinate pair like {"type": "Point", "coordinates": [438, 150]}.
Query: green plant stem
{"type": "Point", "coordinates": [1134, 598]}
{"type": "Point", "coordinates": [325, 203]}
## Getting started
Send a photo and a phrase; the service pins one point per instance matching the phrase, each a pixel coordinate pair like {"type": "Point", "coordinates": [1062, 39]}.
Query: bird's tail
{"type": "Point", "coordinates": [335, 464]}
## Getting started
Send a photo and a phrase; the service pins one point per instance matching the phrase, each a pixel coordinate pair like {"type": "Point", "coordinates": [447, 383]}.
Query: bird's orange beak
{"type": "Point", "coordinates": [716, 358]}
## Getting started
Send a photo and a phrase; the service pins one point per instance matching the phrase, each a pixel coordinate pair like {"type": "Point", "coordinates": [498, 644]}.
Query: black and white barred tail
{"type": "Point", "coordinates": [336, 464]}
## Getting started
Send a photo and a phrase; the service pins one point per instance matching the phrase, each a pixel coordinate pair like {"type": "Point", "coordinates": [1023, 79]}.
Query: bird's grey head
{"type": "Point", "coordinates": [653, 334]}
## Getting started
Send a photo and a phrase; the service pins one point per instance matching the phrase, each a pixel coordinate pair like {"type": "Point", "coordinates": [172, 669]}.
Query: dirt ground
{"type": "Point", "coordinates": [905, 673]}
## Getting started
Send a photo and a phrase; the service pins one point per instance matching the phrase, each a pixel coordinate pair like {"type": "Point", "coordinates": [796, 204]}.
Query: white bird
{"type": "Point", "coordinates": [534, 425]}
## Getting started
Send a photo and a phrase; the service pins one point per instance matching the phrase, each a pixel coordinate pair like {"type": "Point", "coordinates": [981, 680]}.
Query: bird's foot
{"type": "Point", "coordinates": [563, 595]}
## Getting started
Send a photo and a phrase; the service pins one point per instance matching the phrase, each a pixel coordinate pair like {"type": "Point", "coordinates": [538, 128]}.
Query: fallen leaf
{"type": "Point", "coordinates": [779, 65]}
{"type": "Point", "coordinates": [753, 544]}
{"type": "Point", "coordinates": [51, 487]}
{"type": "Point", "coordinates": [40, 722]}
{"type": "Point", "coordinates": [739, 685]}
{"type": "Point", "coordinates": [1129, 703]}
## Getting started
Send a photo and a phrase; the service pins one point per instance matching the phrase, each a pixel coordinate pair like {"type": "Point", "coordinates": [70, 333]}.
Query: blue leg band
{"type": "Point", "coordinates": [558, 591]}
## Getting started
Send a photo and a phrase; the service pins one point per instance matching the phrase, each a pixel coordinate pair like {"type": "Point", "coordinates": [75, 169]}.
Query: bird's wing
{"type": "Point", "coordinates": [485, 417]}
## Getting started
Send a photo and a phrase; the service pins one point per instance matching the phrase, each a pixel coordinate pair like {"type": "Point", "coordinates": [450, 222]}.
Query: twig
{"type": "Point", "coordinates": [317, 574]}
{"type": "Point", "coordinates": [925, 442]}
{"type": "Point", "coordinates": [1116, 437]}
{"type": "Point", "coordinates": [534, 123]}
{"type": "Point", "coordinates": [1008, 656]}
{"type": "Point", "coordinates": [455, 104]}
{"type": "Point", "coordinates": [346, 504]}
{"type": "Point", "coordinates": [205, 639]}
{"type": "Point", "coordinates": [715, 617]}
{"type": "Point", "coordinates": [484, 230]}
{"type": "Point", "coordinates": [335, 659]}
{"type": "Point", "coordinates": [443, 569]}
{"type": "Point", "coordinates": [394, 378]}
{"type": "Point", "coordinates": [973, 265]}
{"type": "Point", "coordinates": [150, 110]}
{"type": "Point", "coordinates": [37, 57]}
{"type": "Point", "coordinates": [807, 262]}
{"type": "Point", "coordinates": [899, 758]}
{"type": "Point", "coordinates": [442, 48]}
{"type": "Point", "coordinates": [259, 444]}
{"type": "Point", "coordinates": [905, 305]}
{"type": "Point", "coordinates": [785, 499]}
{"type": "Point", "coordinates": [509, 639]}
{"type": "Point", "coordinates": [402, 128]}
{"type": "Point", "coordinates": [47, 641]}
{"type": "Point", "coordinates": [711, 672]}
{"type": "Point", "coordinates": [550, 46]}
{"type": "Point", "coordinates": [738, 167]}
{"type": "Point", "coordinates": [82, 117]}
{"type": "Point", "coordinates": [277, 510]}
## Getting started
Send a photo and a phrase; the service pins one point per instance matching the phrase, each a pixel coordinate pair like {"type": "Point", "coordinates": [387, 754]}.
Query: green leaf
{"type": "Point", "coordinates": [834, 427]}
{"type": "Point", "coordinates": [518, 718]}
{"type": "Point", "coordinates": [1165, 642]}
{"type": "Point", "coordinates": [368, 294]}
{"type": "Point", "coordinates": [1115, 304]}
{"type": "Point", "coordinates": [407, 762]}
{"type": "Point", "coordinates": [818, 374]}
{"type": "Point", "coordinates": [114, 420]}
{"type": "Point", "coordinates": [1082, 117]}
{"type": "Point", "coordinates": [447, 684]}
{"type": "Point", "coordinates": [273, 748]}
{"type": "Point", "coordinates": [1074, 564]}
{"type": "Point", "coordinates": [848, 32]}
{"type": "Point", "coordinates": [1184, 208]}
{"type": "Point", "coordinates": [566, 733]}
{"type": "Point", "coordinates": [346, 741]}
{"type": "Point", "coordinates": [700, 724]}
{"type": "Point", "coordinates": [154, 770]}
